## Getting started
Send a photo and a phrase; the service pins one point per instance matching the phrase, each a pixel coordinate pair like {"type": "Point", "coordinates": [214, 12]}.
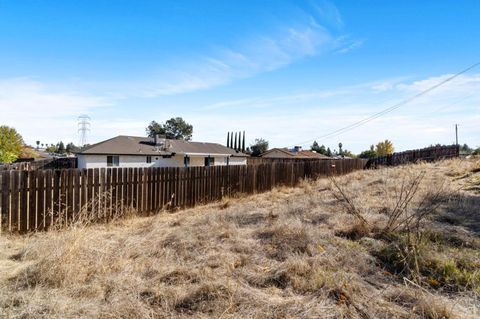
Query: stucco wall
{"type": "Point", "coordinates": [99, 161]}
{"type": "Point", "coordinates": [238, 161]}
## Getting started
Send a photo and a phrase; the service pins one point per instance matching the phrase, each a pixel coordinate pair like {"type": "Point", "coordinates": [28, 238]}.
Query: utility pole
{"type": "Point", "coordinates": [456, 134]}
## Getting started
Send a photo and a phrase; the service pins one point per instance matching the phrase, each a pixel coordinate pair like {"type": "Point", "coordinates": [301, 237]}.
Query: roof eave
{"type": "Point", "coordinates": [129, 154]}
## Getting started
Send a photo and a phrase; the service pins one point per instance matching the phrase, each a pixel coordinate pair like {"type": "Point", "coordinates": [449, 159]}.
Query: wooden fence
{"type": "Point", "coordinates": [34, 200]}
{"type": "Point", "coordinates": [21, 166]}
{"type": "Point", "coordinates": [428, 154]}
{"type": "Point", "coordinates": [267, 160]}
{"type": "Point", "coordinates": [48, 163]}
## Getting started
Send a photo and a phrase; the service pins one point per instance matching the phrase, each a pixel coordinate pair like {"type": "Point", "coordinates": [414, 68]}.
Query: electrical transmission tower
{"type": "Point", "coordinates": [83, 128]}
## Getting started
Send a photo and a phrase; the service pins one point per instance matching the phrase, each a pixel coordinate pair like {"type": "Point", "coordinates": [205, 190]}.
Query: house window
{"type": "Point", "coordinates": [113, 160]}
{"type": "Point", "coordinates": [186, 160]}
{"type": "Point", "coordinates": [149, 159]}
{"type": "Point", "coordinates": [209, 161]}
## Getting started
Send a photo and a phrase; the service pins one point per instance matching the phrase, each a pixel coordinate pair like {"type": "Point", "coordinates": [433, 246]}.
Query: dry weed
{"type": "Point", "coordinates": [289, 253]}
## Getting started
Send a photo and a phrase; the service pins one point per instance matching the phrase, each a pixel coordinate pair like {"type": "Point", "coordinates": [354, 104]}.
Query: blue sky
{"type": "Point", "coordinates": [287, 71]}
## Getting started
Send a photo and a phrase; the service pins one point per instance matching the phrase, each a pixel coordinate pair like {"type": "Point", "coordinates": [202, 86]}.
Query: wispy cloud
{"type": "Point", "coordinates": [41, 111]}
{"type": "Point", "coordinates": [305, 98]}
{"type": "Point", "coordinates": [350, 45]}
{"type": "Point", "coordinates": [461, 85]}
{"type": "Point", "coordinates": [386, 85]}
{"type": "Point", "coordinates": [328, 13]}
{"type": "Point", "coordinates": [25, 97]}
{"type": "Point", "coordinates": [304, 116]}
{"type": "Point", "coordinates": [32, 105]}
{"type": "Point", "coordinates": [262, 54]}
{"type": "Point", "coordinates": [48, 113]}
{"type": "Point", "coordinates": [305, 36]}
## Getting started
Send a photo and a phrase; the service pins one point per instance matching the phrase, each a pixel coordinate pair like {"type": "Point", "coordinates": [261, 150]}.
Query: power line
{"type": "Point", "coordinates": [389, 109]}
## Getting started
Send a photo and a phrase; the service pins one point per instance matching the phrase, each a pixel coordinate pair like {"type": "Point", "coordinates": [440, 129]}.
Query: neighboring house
{"type": "Point", "coordinates": [341, 157]}
{"type": "Point", "coordinates": [296, 152]}
{"type": "Point", "coordinates": [132, 151]}
{"type": "Point", "coordinates": [312, 154]}
{"type": "Point", "coordinates": [278, 153]}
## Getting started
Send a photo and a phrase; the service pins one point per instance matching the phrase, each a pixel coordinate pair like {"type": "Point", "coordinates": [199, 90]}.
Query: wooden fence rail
{"type": "Point", "coordinates": [34, 200]}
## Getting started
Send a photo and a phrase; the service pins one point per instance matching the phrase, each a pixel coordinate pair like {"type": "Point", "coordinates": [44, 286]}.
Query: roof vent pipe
{"type": "Point", "coordinates": [160, 141]}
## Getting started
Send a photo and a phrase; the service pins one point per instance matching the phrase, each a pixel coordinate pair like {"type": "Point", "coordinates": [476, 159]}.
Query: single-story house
{"type": "Point", "coordinates": [296, 152]}
{"type": "Point", "coordinates": [133, 151]}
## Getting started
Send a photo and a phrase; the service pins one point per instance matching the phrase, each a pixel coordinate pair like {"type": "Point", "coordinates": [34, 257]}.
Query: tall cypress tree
{"type": "Point", "coordinates": [243, 142]}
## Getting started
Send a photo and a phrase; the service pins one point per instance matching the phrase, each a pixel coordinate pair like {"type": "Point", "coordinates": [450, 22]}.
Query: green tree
{"type": "Point", "coordinates": [51, 148]}
{"type": "Point", "coordinates": [175, 128]}
{"type": "Point", "coordinates": [348, 153]}
{"type": "Point", "coordinates": [384, 148]}
{"type": "Point", "coordinates": [368, 153]}
{"type": "Point", "coordinates": [155, 128]}
{"type": "Point", "coordinates": [258, 147]}
{"type": "Point", "coordinates": [344, 152]}
{"type": "Point", "coordinates": [38, 144]}
{"type": "Point", "coordinates": [11, 144]}
{"type": "Point", "coordinates": [465, 149]}
{"type": "Point", "coordinates": [28, 152]}
{"type": "Point", "coordinates": [60, 148]}
{"type": "Point", "coordinates": [329, 152]}
{"type": "Point", "coordinates": [72, 148]}
{"type": "Point", "coordinates": [317, 148]}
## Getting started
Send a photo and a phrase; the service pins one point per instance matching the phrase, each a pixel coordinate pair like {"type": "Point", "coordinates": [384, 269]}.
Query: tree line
{"type": "Point", "coordinates": [380, 149]}
{"type": "Point", "coordinates": [13, 147]}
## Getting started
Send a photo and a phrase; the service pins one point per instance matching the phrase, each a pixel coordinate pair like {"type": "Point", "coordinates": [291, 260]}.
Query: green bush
{"type": "Point", "coordinates": [454, 269]}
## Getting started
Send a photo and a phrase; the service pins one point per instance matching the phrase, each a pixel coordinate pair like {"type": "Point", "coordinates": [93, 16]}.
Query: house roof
{"type": "Point", "coordinates": [134, 145]}
{"type": "Point", "coordinates": [285, 153]}
{"type": "Point", "coordinates": [311, 154]}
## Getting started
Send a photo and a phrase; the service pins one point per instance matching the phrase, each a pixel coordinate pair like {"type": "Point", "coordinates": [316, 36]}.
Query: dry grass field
{"type": "Point", "coordinates": [391, 243]}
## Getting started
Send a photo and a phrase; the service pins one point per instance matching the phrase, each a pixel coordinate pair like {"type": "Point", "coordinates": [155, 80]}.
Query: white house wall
{"type": "Point", "coordinates": [238, 161]}
{"type": "Point", "coordinates": [100, 161]}
{"type": "Point", "coordinates": [81, 161]}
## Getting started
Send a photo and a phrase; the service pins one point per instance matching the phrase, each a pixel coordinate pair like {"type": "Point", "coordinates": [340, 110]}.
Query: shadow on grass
{"type": "Point", "coordinates": [461, 210]}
